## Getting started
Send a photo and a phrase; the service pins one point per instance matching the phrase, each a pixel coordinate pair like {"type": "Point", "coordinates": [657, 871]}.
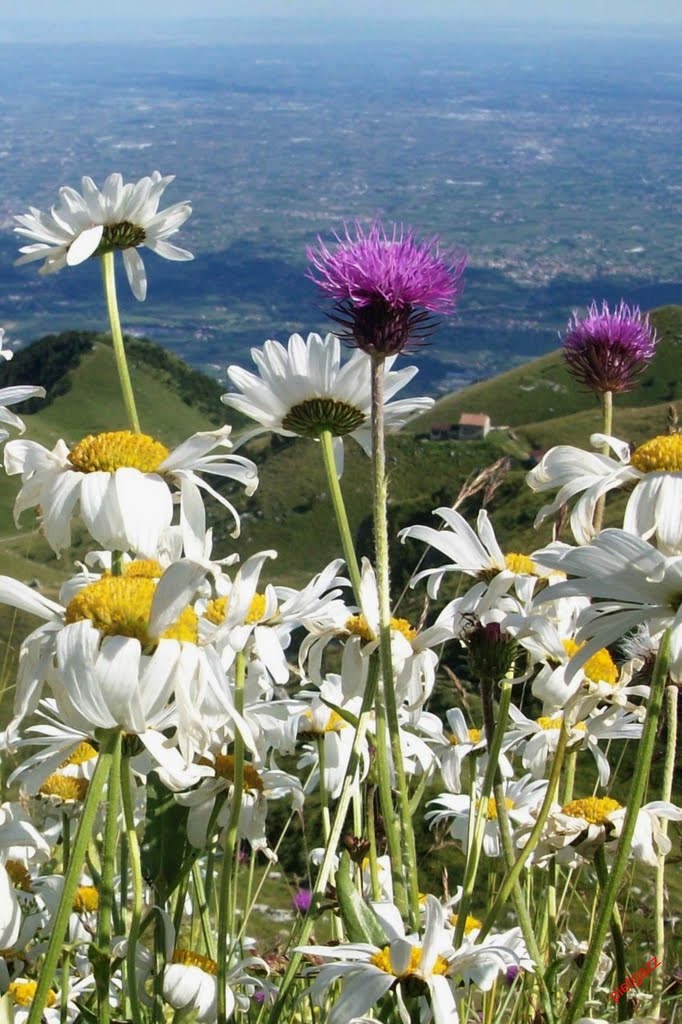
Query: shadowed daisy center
{"type": "Point", "coordinates": [311, 417]}
{"type": "Point", "coordinates": [123, 235]}
{"type": "Point", "coordinates": [64, 787]}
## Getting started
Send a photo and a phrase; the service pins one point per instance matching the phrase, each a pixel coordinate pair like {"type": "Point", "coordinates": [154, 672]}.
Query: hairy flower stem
{"type": "Point", "coordinates": [276, 1015]}
{"type": "Point", "coordinates": [340, 511]}
{"type": "Point", "coordinates": [108, 740]}
{"type": "Point", "coordinates": [494, 732]}
{"type": "Point", "coordinates": [607, 428]}
{"type": "Point", "coordinates": [513, 875]}
{"type": "Point", "coordinates": [380, 493]}
{"type": "Point", "coordinates": [671, 701]}
{"type": "Point", "coordinates": [391, 821]}
{"type": "Point", "coordinates": [227, 895]}
{"type": "Point", "coordinates": [136, 871]}
{"type": "Point", "coordinates": [636, 797]}
{"type": "Point", "coordinates": [109, 278]}
{"type": "Point", "coordinates": [101, 953]}
{"type": "Point", "coordinates": [601, 867]}
{"type": "Point", "coordinates": [494, 744]}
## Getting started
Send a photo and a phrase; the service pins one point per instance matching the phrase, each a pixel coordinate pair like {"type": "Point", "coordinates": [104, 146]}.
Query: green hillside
{"type": "Point", "coordinates": [290, 512]}
{"type": "Point", "coordinates": [534, 396]}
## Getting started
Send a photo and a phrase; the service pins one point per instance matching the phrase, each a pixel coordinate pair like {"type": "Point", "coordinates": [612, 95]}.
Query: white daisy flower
{"type": "Point", "coordinates": [302, 390]}
{"type": "Point", "coordinates": [125, 653]}
{"type": "Point", "coordinates": [124, 485]}
{"type": "Point", "coordinates": [573, 831]}
{"type": "Point", "coordinates": [13, 396]}
{"type": "Point", "coordinates": [454, 746]}
{"type": "Point", "coordinates": [19, 843]}
{"type": "Point", "coordinates": [536, 739]}
{"type": "Point", "coordinates": [428, 964]}
{"type": "Point", "coordinates": [242, 619]}
{"type": "Point", "coordinates": [551, 647]}
{"type": "Point", "coordinates": [522, 798]}
{"type": "Point", "coordinates": [119, 217]}
{"type": "Point", "coordinates": [475, 554]}
{"type": "Point", "coordinates": [655, 468]}
{"type": "Point", "coordinates": [260, 786]}
{"type": "Point", "coordinates": [320, 722]}
{"type": "Point", "coordinates": [631, 584]}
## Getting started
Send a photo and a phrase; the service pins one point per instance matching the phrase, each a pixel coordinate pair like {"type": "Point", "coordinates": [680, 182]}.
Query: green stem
{"type": "Point", "coordinates": [607, 428]}
{"type": "Point", "coordinates": [136, 872]}
{"type": "Point", "coordinates": [637, 791]}
{"type": "Point", "coordinates": [102, 953]}
{"type": "Point", "coordinates": [391, 822]}
{"type": "Point", "coordinates": [109, 279]}
{"type": "Point", "coordinates": [66, 841]}
{"type": "Point", "coordinates": [474, 851]}
{"type": "Point", "coordinates": [228, 895]}
{"type": "Point", "coordinates": [108, 741]}
{"type": "Point", "coordinates": [601, 867]}
{"type": "Point", "coordinates": [533, 839]}
{"type": "Point", "coordinates": [569, 778]}
{"type": "Point", "coordinates": [64, 1001]}
{"type": "Point", "coordinates": [372, 836]}
{"type": "Point", "coordinates": [380, 491]}
{"type": "Point", "coordinates": [492, 730]}
{"type": "Point", "coordinates": [202, 901]}
{"type": "Point", "coordinates": [340, 511]}
{"type": "Point", "coordinates": [671, 702]}
{"type": "Point", "coordinates": [276, 1015]}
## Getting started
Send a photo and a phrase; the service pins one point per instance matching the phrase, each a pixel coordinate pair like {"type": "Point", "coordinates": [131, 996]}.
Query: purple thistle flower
{"type": "Point", "coordinates": [386, 286]}
{"type": "Point", "coordinates": [607, 351]}
{"type": "Point", "coordinates": [301, 900]}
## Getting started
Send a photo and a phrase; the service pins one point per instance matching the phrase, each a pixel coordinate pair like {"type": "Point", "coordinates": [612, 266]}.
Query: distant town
{"type": "Point", "coordinates": [554, 164]}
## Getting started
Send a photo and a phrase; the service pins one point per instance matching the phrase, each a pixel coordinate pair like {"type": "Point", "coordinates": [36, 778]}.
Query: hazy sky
{"type": "Point", "coordinates": [612, 12]}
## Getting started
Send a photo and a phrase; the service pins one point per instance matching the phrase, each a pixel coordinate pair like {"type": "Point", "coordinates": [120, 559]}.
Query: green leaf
{"type": "Point", "coordinates": [359, 920]}
{"type": "Point", "coordinates": [164, 844]}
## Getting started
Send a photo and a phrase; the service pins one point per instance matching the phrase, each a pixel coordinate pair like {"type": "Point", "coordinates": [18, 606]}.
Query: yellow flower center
{"type": "Point", "coordinates": [118, 449]}
{"type": "Point", "coordinates": [600, 668]}
{"type": "Point", "coordinates": [22, 993]}
{"type": "Point", "coordinates": [121, 606]}
{"type": "Point", "coordinates": [474, 737]}
{"type": "Point", "coordinates": [593, 809]}
{"type": "Point", "coordinates": [520, 564]}
{"type": "Point", "coordinates": [216, 610]}
{"type": "Point", "coordinates": [491, 808]}
{"type": "Point", "coordinates": [65, 787]}
{"type": "Point", "coordinates": [191, 959]}
{"type": "Point", "coordinates": [18, 873]}
{"type": "Point", "coordinates": [357, 625]}
{"type": "Point", "coordinates": [84, 752]}
{"type": "Point", "coordinates": [224, 768]}
{"type": "Point", "coordinates": [148, 568]}
{"type": "Point", "coordinates": [550, 724]}
{"type": "Point", "coordinates": [661, 454]}
{"type": "Point", "coordinates": [472, 923]}
{"type": "Point", "coordinates": [382, 960]}
{"type": "Point", "coordinates": [86, 900]}
{"type": "Point", "coordinates": [335, 723]}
